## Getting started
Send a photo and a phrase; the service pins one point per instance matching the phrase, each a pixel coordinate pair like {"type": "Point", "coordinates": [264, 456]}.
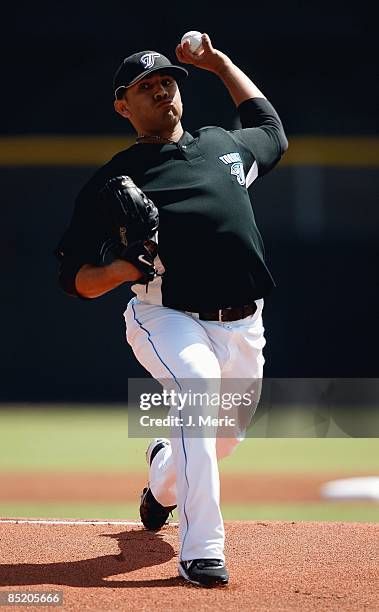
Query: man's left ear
{"type": "Point", "coordinates": [121, 108]}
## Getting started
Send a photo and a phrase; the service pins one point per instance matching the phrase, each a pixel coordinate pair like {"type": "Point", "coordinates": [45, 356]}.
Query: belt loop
{"type": "Point", "coordinates": [220, 315]}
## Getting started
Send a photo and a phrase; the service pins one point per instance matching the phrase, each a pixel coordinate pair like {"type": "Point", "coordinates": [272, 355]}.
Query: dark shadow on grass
{"type": "Point", "coordinates": [138, 549]}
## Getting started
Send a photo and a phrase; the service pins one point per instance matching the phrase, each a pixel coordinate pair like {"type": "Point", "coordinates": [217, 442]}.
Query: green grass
{"type": "Point", "coordinates": [68, 439]}
{"type": "Point", "coordinates": [126, 512]}
{"type": "Point", "coordinates": [97, 440]}
{"type": "Point", "coordinates": [327, 511]}
{"type": "Point", "coordinates": [285, 455]}
{"type": "Point", "coordinates": [367, 512]}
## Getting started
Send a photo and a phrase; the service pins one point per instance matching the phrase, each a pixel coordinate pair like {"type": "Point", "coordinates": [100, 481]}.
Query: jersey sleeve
{"type": "Point", "coordinates": [84, 240]}
{"type": "Point", "coordinates": [262, 138]}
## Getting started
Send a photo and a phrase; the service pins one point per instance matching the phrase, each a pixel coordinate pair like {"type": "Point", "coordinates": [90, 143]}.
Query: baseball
{"type": "Point", "coordinates": [194, 38]}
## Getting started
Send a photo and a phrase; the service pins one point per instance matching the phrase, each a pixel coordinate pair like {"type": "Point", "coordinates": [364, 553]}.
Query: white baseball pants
{"type": "Point", "coordinates": [174, 347]}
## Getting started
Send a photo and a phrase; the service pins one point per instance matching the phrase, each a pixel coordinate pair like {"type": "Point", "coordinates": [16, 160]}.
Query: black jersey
{"type": "Point", "coordinates": [209, 244]}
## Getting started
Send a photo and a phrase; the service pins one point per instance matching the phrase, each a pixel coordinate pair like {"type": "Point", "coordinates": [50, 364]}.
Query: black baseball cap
{"type": "Point", "coordinates": [139, 65]}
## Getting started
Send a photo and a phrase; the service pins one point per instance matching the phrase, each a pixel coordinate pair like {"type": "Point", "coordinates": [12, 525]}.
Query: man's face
{"type": "Point", "coordinates": [152, 105]}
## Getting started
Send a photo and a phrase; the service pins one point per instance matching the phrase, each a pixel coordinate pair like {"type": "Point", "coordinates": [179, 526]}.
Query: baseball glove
{"type": "Point", "coordinates": [134, 221]}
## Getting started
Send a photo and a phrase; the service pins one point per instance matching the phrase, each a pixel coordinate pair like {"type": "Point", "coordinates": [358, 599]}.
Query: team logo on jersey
{"type": "Point", "coordinates": [148, 60]}
{"type": "Point", "coordinates": [236, 168]}
{"type": "Point", "coordinates": [238, 171]}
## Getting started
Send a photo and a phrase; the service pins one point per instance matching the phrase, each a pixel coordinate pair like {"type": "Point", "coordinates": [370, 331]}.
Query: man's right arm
{"type": "Point", "coordinates": [83, 271]}
{"type": "Point", "coordinates": [93, 281]}
{"type": "Point", "coordinates": [262, 134]}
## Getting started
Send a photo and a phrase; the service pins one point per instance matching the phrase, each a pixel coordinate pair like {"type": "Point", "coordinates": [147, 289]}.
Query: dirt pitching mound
{"type": "Point", "coordinates": [273, 566]}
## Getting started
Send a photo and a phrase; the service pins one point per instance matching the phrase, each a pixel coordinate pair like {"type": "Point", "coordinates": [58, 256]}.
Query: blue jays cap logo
{"type": "Point", "coordinates": [135, 67]}
{"type": "Point", "coordinates": [148, 60]}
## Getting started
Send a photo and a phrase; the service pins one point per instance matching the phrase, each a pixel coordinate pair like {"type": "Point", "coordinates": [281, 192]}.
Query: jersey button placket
{"type": "Point", "coordinates": [182, 149]}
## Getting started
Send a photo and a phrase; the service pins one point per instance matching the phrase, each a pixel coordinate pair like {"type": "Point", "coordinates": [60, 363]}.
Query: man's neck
{"type": "Point", "coordinates": [166, 135]}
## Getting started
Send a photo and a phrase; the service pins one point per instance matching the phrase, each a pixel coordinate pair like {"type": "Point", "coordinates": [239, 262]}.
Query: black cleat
{"type": "Point", "coordinates": [204, 572]}
{"type": "Point", "coordinates": [153, 514]}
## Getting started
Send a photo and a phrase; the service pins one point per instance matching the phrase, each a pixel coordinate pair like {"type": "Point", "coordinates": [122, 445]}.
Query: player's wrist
{"type": "Point", "coordinates": [222, 64]}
